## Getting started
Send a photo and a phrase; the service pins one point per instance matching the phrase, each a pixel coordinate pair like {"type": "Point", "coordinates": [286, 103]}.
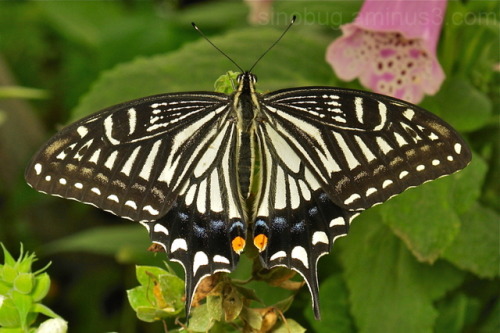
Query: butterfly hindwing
{"type": "Point", "coordinates": [364, 148]}
{"type": "Point", "coordinates": [131, 158]}
{"type": "Point", "coordinates": [202, 229]}
{"type": "Point", "coordinates": [296, 221]}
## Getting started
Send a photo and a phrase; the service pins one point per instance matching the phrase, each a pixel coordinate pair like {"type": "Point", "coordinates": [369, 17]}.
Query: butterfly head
{"type": "Point", "coordinates": [246, 81]}
{"type": "Point", "coordinates": [246, 77]}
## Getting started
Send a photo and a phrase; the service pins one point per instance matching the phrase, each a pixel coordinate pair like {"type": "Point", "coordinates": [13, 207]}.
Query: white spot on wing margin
{"type": "Point", "coordinates": [300, 253]}
{"type": "Point", "coordinates": [179, 243]}
{"type": "Point", "coordinates": [200, 259]}
{"type": "Point", "coordinates": [38, 168]}
{"type": "Point", "coordinates": [319, 237]}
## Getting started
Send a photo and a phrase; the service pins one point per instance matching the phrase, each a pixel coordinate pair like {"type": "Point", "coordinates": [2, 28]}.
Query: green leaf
{"type": "Point", "coordinates": [145, 307]}
{"type": "Point", "coordinates": [251, 317]}
{"type": "Point", "coordinates": [424, 218]}
{"type": "Point", "coordinates": [291, 326]}
{"type": "Point", "coordinates": [492, 322]}
{"type": "Point", "coordinates": [471, 30]}
{"type": "Point", "coordinates": [40, 308]}
{"type": "Point", "coordinates": [456, 313]}
{"type": "Point", "coordinates": [284, 304]}
{"type": "Point", "coordinates": [8, 259]}
{"type": "Point", "coordinates": [467, 185]}
{"type": "Point", "coordinates": [23, 304]}
{"type": "Point", "coordinates": [226, 83]}
{"type": "Point", "coordinates": [103, 240]}
{"type": "Point", "coordinates": [248, 293]}
{"type": "Point", "coordinates": [390, 291]}
{"type": "Point", "coordinates": [167, 73]}
{"type": "Point", "coordinates": [9, 316]}
{"type": "Point", "coordinates": [42, 286]}
{"type": "Point", "coordinates": [12, 330]}
{"type": "Point", "coordinates": [150, 314]}
{"type": "Point", "coordinates": [81, 21]}
{"type": "Point", "coordinates": [146, 274]}
{"type": "Point", "coordinates": [138, 297]}
{"type": "Point", "coordinates": [225, 302]}
{"type": "Point", "coordinates": [214, 306]}
{"type": "Point", "coordinates": [214, 15]}
{"type": "Point", "coordinates": [475, 249]}
{"type": "Point", "coordinates": [200, 320]}
{"type": "Point", "coordinates": [172, 289]}
{"type": "Point", "coordinates": [427, 218]}
{"type": "Point", "coordinates": [159, 296]}
{"type": "Point", "coordinates": [334, 308]}
{"type": "Point", "coordinates": [462, 105]}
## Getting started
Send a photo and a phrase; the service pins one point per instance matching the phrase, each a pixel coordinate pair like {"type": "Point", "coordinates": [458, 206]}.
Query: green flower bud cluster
{"type": "Point", "coordinates": [21, 292]}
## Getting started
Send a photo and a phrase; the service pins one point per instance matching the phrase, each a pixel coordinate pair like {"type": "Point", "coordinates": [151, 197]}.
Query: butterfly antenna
{"type": "Point", "coordinates": [215, 46]}
{"type": "Point", "coordinates": [276, 42]}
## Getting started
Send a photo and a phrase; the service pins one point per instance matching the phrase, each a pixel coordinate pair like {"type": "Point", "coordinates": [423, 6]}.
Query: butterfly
{"type": "Point", "coordinates": [207, 172]}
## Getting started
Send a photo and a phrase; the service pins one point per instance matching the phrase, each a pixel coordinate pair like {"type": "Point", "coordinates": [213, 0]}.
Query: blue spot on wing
{"type": "Point", "coordinates": [199, 231]}
{"type": "Point", "coordinates": [313, 211]}
{"type": "Point", "coordinates": [298, 227]}
{"type": "Point", "coordinates": [183, 217]}
{"type": "Point", "coordinates": [217, 225]}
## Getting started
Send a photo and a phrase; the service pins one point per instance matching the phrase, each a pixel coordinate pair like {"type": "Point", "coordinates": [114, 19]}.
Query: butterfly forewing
{"type": "Point", "coordinates": [133, 158]}
{"type": "Point", "coordinates": [364, 148]}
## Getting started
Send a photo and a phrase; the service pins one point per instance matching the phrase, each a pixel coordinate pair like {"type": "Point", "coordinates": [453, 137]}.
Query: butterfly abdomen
{"type": "Point", "coordinates": [244, 163]}
{"type": "Point", "coordinates": [246, 111]}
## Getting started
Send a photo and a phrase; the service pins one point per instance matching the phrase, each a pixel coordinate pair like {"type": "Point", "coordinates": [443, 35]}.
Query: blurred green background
{"type": "Point", "coordinates": [426, 261]}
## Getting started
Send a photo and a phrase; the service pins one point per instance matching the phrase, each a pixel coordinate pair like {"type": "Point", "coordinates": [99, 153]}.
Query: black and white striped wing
{"type": "Point", "coordinates": [163, 160]}
{"type": "Point", "coordinates": [131, 159]}
{"type": "Point", "coordinates": [296, 222]}
{"type": "Point", "coordinates": [331, 153]}
{"type": "Point", "coordinates": [364, 148]}
{"type": "Point", "coordinates": [205, 229]}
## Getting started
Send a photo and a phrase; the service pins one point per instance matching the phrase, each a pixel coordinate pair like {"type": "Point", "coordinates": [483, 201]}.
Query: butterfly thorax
{"type": "Point", "coordinates": [246, 108]}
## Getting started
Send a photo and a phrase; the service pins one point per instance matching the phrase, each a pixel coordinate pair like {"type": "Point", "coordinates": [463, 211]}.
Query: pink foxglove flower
{"type": "Point", "coordinates": [391, 47]}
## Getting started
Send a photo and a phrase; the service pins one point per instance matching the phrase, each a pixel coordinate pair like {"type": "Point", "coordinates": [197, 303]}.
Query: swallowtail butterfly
{"type": "Point", "coordinates": [291, 168]}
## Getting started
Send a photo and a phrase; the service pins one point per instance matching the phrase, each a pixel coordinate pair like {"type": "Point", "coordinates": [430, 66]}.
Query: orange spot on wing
{"type": "Point", "coordinates": [238, 244]}
{"type": "Point", "coordinates": [260, 242]}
